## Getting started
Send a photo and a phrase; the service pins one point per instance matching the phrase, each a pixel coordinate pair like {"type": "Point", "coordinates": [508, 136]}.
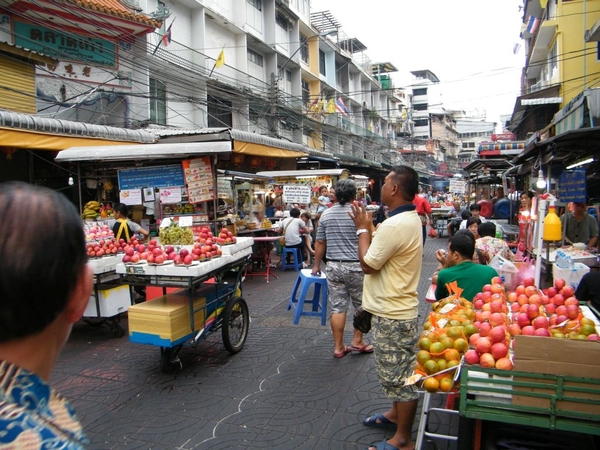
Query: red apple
{"type": "Point", "coordinates": [568, 291]}
{"type": "Point", "coordinates": [529, 281]}
{"type": "Point", "coordinates": [472, 357]}
{"type": "Point", "coordinates": [187, 259]}
{"type": "Point", "coordinates": [497, 334]}
{"type": "Point", "coordinates": [528, 331]}
{"type": "Point", "coordinates": [542, 332]}
{"type": "Point", "coordinates": [483, 345]}
{"type": "Point", "coordinates": [504, 364]}
{"type": "Point", "coordinates": [552, 291]}
{"type": "Point", "coordinates": [487, 360]}
{"type": "Point", "coordinates": [540, 322]}
{"type": "Point", "coordinates": [559, 283]}
{"type": "Point", "coordinates": [499, 350]}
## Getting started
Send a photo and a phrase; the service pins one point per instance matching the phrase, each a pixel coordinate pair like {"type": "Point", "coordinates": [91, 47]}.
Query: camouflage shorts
{"type": "Point", "coordinates": [395, 356]}
{"type": "Point", "coordinates": [344, 284]}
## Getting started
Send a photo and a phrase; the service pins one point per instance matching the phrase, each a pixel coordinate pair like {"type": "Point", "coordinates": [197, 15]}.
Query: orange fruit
{"type": "Point", "coordinates": [452, 355]}
{"type": "Point", "coordinates": [430, 367]}
{"type": "Point", "coordinates": [427, 325]}
{"type": "Point", "coordinates": [436, 347]}
{"type": "Point", "coordinates": [470, 329]}
{"type": "Point", "coordinates": [587, 330]}
{"type": "Point", "coordinates": [452, 363]}
{"type": "Point", "coordinates": [447, 342]}
{"type": "Point", "coordinates": [423, 356]}
{"type": "Point", "coordinates": [431, 385]}
{"type": "Point", "coordinates": [446, 384]}
{"type": "Point", "coordinates": [461, 345]}
{"type": "Point", "coordinates": [454, 332]}
{"type": "Point", "coordinates": [424, 343]}
{"type": "Point", "coordinates": [442, 364]}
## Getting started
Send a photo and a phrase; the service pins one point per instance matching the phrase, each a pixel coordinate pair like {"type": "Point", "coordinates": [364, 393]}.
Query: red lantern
{"type": "Point", "coordinates": [8, 151]}
{"type": "Point", "coordinates": [255, 162]}
{"type": "Point", "coordinates": [270, 163]}
{"type": "Point", "coordinates": [237, 159]}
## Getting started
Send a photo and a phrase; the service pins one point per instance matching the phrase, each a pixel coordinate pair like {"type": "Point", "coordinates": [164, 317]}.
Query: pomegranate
{"type": "Point", "coordinates": [499, 350]}
{"type": "Point", "coordinates": [487, 360]}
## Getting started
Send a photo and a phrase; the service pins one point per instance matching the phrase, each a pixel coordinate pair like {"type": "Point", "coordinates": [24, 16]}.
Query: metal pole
{"type": "Point", "coordinates": [540, 242]}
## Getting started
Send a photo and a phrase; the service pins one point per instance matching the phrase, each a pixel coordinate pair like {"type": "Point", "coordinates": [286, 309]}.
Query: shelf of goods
{"type": "Point", "coordinates": [206, 302]}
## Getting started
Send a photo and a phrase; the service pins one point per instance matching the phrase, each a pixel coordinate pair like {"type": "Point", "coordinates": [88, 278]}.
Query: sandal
{"type": "Point", "coordinates": [366, 348]}
{"type": "Point", "coordinates": [342, 353]}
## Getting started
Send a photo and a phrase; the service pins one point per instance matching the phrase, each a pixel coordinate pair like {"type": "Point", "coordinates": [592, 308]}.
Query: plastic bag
{"type": "Point", "coordinates": [526, 270]}
{"type": "Point", "coordinates": [362, 320]}
{"type": "Point", "coordinates": [433, 233]}
{"type": "Point", "coordinates": [506, 270]}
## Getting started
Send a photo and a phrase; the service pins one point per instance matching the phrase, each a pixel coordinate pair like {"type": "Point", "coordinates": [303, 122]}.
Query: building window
{"type": "Point", "coordinates": [421, 123]}
{"type": "Point", "coordinates": [219, 112]}
{"type": "Point", "coordinates": [338, 73]}
{"type": "Point", "coordinates": [158, 102]}
{"type": "Point", "coordinates": [255, 58]}
{"type": "Point", "coordinates": [553, 62]}
{"type": "Point", "coordinates": [305, 93]}
{"type": "Point", "coordinates": [420, 91]}
{"type": "Point", "coordinates": [281, 21]}
{"type": "Point", "coordinates": [256, 3]}
{"type": "Point", "coordinates": [420, 107]}
{"type": "Point", "coordinates": [322, 62]}
{"type": "Point", "coordinates": [303, 48]}
{"type": "Point", "coordinates": [288, 76]}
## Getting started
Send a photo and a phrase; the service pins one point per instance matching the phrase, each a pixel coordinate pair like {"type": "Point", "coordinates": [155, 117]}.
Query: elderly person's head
{"type": "Point", "coordinates": [345, 191]}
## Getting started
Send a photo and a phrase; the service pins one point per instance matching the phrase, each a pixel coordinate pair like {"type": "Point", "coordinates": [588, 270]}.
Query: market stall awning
{"type": "Point", "coordinates": [305, 173]}
{"type": "Point", "coordinates": [142, 152]}
{"type": "Point", "coordinates": [243, 141]}
{"type": "Point", "coordinates": [28, 131]}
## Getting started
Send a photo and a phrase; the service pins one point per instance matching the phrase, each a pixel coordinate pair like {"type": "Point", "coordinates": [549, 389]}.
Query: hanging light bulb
{"type": "Point", "coordinates": [541, 182]}
{"type": "Point", "coordinates": [71, 181]}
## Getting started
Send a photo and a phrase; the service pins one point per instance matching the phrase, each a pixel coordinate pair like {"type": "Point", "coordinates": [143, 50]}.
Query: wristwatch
{"type": "Point", "coordinates": [361, 231]}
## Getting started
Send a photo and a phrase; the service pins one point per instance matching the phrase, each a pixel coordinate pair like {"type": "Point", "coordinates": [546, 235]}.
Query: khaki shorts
{"type": "Point", "coordinates": [395, 356]}
{"type": "Point", "coordinates": [344, 285]}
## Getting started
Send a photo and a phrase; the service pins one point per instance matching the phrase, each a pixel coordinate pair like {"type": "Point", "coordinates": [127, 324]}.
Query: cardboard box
{"type": "Point", "coordinates": [562, 357]}
{"type": "Point", "coordinates": [110, 302]}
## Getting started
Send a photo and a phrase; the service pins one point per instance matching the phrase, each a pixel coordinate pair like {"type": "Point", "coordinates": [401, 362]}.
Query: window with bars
{"type": "Point", "coordinates": [305, 92]}
{"type": "Point", "coordinates": [322, 70]}
{"type": "Point", "coordinates": [303, 48]}
{"type": "Point", "coordinates": [255, 58]}
{"type": "Point", "coordinates": [158, 102]}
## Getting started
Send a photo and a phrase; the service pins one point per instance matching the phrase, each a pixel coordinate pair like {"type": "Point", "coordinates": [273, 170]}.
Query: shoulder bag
{"type": "Point", "coordinates": [282, 238]}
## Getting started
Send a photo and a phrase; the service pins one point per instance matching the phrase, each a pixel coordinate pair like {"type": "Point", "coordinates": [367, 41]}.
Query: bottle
{"type": "Point", "coordinates": [552, 225]}
{"type": "Point", "coordinates": [498, 233]}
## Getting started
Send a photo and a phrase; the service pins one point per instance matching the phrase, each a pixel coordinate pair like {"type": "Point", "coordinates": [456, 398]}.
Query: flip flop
{"type": "Point", "coordinates": [341, 354]}
{"type": "Point", "coordinates": [383, 445]}
{"type": "Point", "coordinates": [367, 348]}
{"type": "Point", "coordinates": [379, 421]}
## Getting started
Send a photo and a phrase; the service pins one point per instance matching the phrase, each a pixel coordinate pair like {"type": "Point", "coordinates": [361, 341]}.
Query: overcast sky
{"type": "Point", "coordinates": [467, 44]}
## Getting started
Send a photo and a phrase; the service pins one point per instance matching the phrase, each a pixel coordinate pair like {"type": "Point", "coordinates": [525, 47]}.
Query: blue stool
{"type": "Point", "coordinates": [295, 252]}
{"type": "Point", "coordinates": [319, 301]}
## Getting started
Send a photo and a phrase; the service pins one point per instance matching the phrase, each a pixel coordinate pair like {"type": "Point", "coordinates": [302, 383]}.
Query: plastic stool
{"type": "Point", "coordinates": [296, 265]}
{"type": "Point", "coordinates": [319, 301]}
{"type": "Point", "coordinates": [425, 410]}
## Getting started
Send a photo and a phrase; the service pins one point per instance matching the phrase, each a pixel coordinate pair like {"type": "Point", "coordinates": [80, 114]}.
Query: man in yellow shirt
{"type": "Point", "coordinates": [391, 260]}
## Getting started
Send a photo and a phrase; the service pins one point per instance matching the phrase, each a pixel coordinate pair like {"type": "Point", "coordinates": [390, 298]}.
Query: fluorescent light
{"type": "Point", "coordinates": [580, 163]}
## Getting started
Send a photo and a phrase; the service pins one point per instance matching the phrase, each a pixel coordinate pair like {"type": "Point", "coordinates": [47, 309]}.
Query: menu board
{"type": "Point", "coordinates": [296, 194]}
{"type": "Point", "coordinates": [572, 185]}
{"type": "Point", "coordinates": [198, 178]}
{"type": "Point", "coordinates": [154, 176]}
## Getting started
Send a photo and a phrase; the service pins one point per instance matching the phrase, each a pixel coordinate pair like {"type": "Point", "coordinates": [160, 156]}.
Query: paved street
{"type": "Point", "coordinates": [284, 390]}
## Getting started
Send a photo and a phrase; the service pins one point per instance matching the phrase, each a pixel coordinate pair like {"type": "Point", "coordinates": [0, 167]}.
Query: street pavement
{"type": "Point", "coordinates": [284, 390]}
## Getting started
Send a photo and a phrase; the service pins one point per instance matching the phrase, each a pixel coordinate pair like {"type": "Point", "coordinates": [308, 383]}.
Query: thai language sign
{"type": "Point", "coordinates": [296, 194]}
{"type": "Point", "coordinates": [572, 186]}
{"type": "Point", "coordinates": [61, 45]}
{"type": "Point", "coordinates": [155, 176]}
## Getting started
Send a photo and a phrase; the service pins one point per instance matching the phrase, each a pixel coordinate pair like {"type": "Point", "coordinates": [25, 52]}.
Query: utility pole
{"type": "Point", "coordinates": [272, 119]}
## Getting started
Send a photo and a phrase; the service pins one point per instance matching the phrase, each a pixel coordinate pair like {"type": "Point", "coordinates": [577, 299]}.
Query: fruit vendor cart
{"type": "Point", "coordinates": [209, 299]}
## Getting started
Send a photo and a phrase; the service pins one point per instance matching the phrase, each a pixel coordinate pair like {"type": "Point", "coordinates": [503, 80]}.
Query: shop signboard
{"type": "Point", "coordinates": [153, 176]}
{"type": "Point", "coordinates": [199, 179]}
{"type": "Point", "coordinates": [296, 194]}
{"type": "Point", "coordinates": [572, 186]}
{"type": "Point", "coordinates": [457, 186]}
{"type": "Point", "coordinates": [130, 196]}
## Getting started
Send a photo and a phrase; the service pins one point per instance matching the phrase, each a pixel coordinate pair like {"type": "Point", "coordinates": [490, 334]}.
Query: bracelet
{"type": "Point", "coordinates": [361, 231]}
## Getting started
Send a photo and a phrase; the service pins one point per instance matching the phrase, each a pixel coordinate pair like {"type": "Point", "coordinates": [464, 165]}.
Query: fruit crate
{"type": "Point", "coordinates": [487, 400]}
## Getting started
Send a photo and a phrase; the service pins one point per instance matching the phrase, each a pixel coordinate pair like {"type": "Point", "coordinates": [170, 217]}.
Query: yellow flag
{"type": "Point", "coordinates": [543, 3]}
{"type": "Point", "coordinates": [220, 60]}
{"type": "Point", "coordinates": [331, 106]}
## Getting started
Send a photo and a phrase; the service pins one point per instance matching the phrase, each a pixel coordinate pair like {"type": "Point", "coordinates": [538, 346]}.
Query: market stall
{"type": "Point", "coordinates": [157, 176]}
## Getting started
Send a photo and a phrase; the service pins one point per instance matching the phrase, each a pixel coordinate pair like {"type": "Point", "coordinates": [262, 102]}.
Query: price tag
{"type": "Point", "coordinates": [135, 270]}
{"type": "Point", "coordinates": [413, 379]}
{"type": "Point", "coordinates": [447, 308]}
{"type": "Point", "coordinates": [185, 221]}
{"type": "Point", "coordinates": [442, 323]}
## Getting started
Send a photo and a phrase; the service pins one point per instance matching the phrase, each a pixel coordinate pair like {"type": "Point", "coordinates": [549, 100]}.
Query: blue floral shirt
{"type": "Point", "coordinates": [33, 415]}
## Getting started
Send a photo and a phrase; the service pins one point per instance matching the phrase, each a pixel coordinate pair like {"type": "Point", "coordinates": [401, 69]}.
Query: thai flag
{"type": "Point", "coordinates": [340, 107]}
{"type": "Point", "coordinates": [532, 24]}
{"type": "Point", "coordinates": [166, 39]}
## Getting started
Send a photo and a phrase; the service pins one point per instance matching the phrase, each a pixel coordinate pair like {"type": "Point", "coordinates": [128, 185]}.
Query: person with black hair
{"type": "Point", "coordinates": [392, 257]}
{"type": "Point", "coordinates": [336, 238]}
{"type": "Point", "coordinates": [42, 294]}
{"type": "Point", "coordinates": [123, 227]}
{"type": "Point", "coordinates": [470, 276]}
{"type": "Point", "coordinates": [293, 228]}
{"type": "Point", "coordinates": [475, 210]}
{"type": "Point", "coordinates": [488, 245]}
{"type": "Point", "coordinates": [473, 226]}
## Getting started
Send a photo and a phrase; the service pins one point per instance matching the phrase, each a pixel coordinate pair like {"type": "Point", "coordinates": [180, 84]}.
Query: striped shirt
{"type": "Point", "coordinates": [337, 228]}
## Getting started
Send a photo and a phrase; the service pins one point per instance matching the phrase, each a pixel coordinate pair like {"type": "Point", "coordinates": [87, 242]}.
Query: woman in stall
{"type": "Point", "coordinates": [123, 227]}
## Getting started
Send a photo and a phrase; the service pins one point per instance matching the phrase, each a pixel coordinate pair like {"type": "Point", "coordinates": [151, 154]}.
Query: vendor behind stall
{"type": "Point", "coordinates": [123, 227]}
{"type": "Point", "coordinates": [580, 226]}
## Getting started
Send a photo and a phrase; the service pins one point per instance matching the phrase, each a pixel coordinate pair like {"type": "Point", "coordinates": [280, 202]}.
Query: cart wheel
{"type": "Point", "coordinates": [169, 362]}
{"type": "Point", "coordinates": [235, 324]}
{"type": "Point", "coordinates": [116, 328]}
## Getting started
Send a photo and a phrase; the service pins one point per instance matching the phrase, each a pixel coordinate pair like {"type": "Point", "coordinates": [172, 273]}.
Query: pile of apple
{"type": "Point", "coordinates": [553, 312]}
{"type": "Point", "coordinates": [225, 237]}
{"type": "Point", "coordinates": [98, 232]}
{"type": "Point", "coordinates": [492, 341]}
{"type": "Point", "coordinates": [103, 247]}
{"type": "Point", "coordinates": [154, 253]}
